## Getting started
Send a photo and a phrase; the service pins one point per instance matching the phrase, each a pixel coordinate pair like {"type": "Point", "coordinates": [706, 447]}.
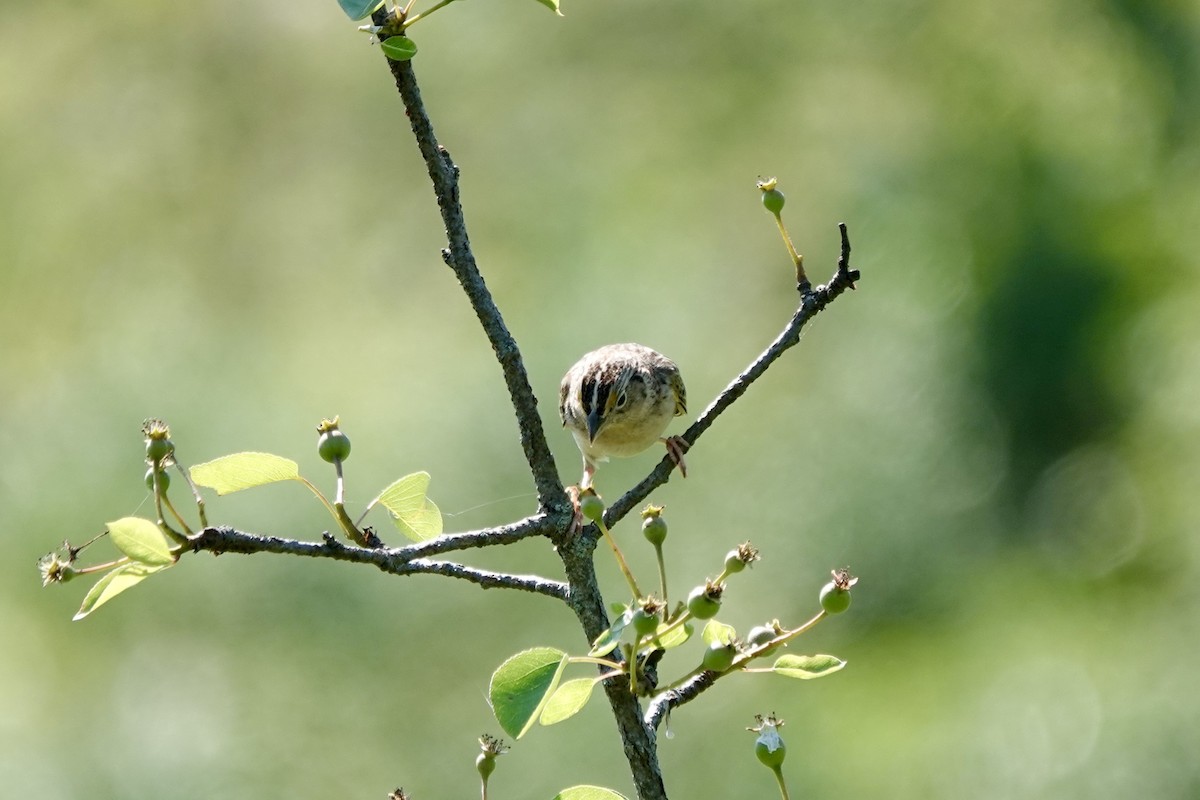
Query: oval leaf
{"type": "Point", "coordinates": [588, 793]}
{"type": "Point", "coordinates": [522, 684]}
{"type": "Point", "coordinates": [239, 471]}
{"type": "Point", "coordinates": [358, 9]}
{"type": "Point", "coordinates": [807, 667]}
{"type": "Point", "coordinates": [398, 48]}
{"type": "Point", "coordinates": [113, 583]}
{"type": "Point", "coordinates": [141, 540]}
{"type": "Point", "coordinates": [718, 632]}
{"type": "Point", "coordinates": [607, 642]}
{"type": "Point", "coordinates": [567, 700]}
{"type": "Point", "coordinates": [673, 638]}
{"type": "Point", "coordinates": [414, 514]}
{"type": "Point", "coordinates": [552, 5]}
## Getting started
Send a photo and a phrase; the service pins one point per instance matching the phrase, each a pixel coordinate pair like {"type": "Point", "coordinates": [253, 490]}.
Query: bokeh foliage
{"type": "Point", "coordinates": [214, 214]}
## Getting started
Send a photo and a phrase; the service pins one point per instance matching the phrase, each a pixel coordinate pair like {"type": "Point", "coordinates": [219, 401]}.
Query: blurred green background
{"type": "Point", "coordinates": [215, 214]}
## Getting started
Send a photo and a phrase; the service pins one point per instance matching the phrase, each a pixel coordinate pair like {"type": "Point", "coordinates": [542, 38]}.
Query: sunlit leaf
{"type": "Point", "coordinates": [359, 9]}
{"type": "Point", "coordinates": [398, 48]}
{"type": "Point", "coordinates": [552, 5]}
{"type": "Point", "coordinates": [239, 471]}
{"type": "Point", "coordinates": [675, 637]}
{"type": "Point", "coordinates": [567, 701]}
{"type": "Point", "coordinates": [113, 583]}
{"type": "Point", "coordinates": [522, 684]}
{"type": "Point", "coordinates": [607, 642]}
{"type": "Point", "coordinates": [414, 514]}
{"type": "Point", "coordinates": [141, 540]}
{"type": "Point", "coordinates": [588, 793]}
{"type": "Point", "coordinates": [807, 667]}
{"type": "Point", "coordinates": [718, 632]}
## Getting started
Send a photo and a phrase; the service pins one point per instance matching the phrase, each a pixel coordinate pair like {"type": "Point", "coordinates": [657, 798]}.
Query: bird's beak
{"type": "Point", "coordinates": [593, 422]}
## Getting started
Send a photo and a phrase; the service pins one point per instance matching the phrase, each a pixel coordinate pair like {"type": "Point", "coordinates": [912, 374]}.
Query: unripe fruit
{"type": "Point", "coordinates": [834, 598]}
{"type": "Point", "coordinates": [719, 656]}
{"type": "Point", "coordinates": [159, 448]}
{"type": "Point", "coordinates": [591, 506]}
{"type": "Point", "coordinates": [333, 445]}
{"type": "Point", "coordinates": [164, 479]}
{"type": "Point", "coordinates": [654, 528]}
{"type": "Point", "coordinates": [645, 621]}
{"type": "Point", "coordinates": [770, 752]}
{"type": "Point", "coordinates": [485, 763]}
{"type": "Point", "coordinates": [773, 200]}
{"type": "Point", "coordinates": [734, 562]}
{"type": "Point", "coordinates": [760, 635]}
{"type": "Point", "coordinates": [705, 601]}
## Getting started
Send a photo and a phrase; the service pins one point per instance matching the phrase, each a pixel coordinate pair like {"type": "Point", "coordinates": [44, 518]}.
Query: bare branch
{"type": "Point", "coordinates": [398, 561]}
{"type": "Point", "coordinates": [812, 303]}
{"type": "Point", "coordinates": [458, 255]}
{"type": "Point", "coordinates": [673, 698]}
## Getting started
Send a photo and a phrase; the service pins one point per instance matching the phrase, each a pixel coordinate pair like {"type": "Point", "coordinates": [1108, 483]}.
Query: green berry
{"type": "Point", "coordinates": [760, 635]}
{"type": "Point", "coordinates": [834, 598]}
{"type": "Point", "coordinates": [485, 763]}
{"type": "Point", "coordinates": [654, 527]}
{"type": "Point", "coordinates": [705, 601]}
{"type": "Point", "coordinates": [719, 656]}
{"type": "Point", "coordinates": [769, 746]}
{"type": "Point", "coordinates": [773, 200]}
{"type": "Point", "coordinates": [591, 506]}
{"type": "Point", "coordinates": [158, 449]}
{"type": "Point", "coordinates": [645, 621]}
{"type": "Point", "coordinates": [333, 445]}
{"type": "Point", "coordinates": [164, 479]}
{"type": "Point", "coordinates": [734, 562]}
{"type": "Point", "coordinates": [770, 750]}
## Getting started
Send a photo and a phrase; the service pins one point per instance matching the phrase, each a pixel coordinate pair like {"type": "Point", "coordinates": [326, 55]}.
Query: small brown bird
{"type": "Point", "coordinates": [618, 400]}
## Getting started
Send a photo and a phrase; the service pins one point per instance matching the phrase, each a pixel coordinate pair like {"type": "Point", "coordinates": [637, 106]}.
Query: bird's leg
{"type": "Point", "coordinates": [676, 447]}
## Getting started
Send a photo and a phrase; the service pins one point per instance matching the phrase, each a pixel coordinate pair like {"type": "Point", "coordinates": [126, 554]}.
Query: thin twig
{"type": "Point", "coordinates": [459, 256]}
{"type": "Point", "coordinates": [811, 304]}
{"type": "Point", "coordinates": [395, 561]}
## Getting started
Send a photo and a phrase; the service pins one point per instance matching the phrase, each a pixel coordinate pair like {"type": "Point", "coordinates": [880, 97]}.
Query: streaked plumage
{"type": "Point", "coordinates": [618, 400]}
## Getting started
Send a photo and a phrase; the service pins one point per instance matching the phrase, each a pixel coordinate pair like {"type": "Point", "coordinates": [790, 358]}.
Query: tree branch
{"type": "Point", "coordinates": [458, 255]}
{"type": "Point", "coordinates": [811, 304]}
{"type": "Point", "coordinates": [673, 698]}
{"type": "Point", "coordinates": [399, 561]}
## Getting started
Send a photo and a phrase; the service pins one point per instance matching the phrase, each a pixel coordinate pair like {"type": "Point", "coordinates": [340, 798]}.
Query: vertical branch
{"type": "Point", "coordinates": [459, 257]}
{"type": "Point", "coordinates": [637, 738]}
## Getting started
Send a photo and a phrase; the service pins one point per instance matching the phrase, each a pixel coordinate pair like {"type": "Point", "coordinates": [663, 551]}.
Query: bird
{"type": "Point", "coordinates": [617, 401]}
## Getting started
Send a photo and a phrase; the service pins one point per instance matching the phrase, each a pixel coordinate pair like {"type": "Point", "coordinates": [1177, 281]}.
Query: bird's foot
{"type": "Point", "coordinates": [676, 447]}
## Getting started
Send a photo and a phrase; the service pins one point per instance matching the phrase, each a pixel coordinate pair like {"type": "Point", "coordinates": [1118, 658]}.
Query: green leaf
{"type": "Point", "coordinates": [141, 540]}
{"type": "Point", "coordinates": [522, 684]}
{"type": "Point", "coordinates": [113, 583]}
{"type": "Point", "coordinates": [239, 471]}
{"type": "Point", "coordinates": [567, 700]}
{"type": "Point", "coordinates": [718, 632]}
{"type": "Point", "coordinates": [398, 48]}
{"type": "Point", "coordinates": [552, 5]}
{"type": "Point", "coordinates": [675, 638]}
{"type": "Point", "coordinates": [589, 793]}
{"type": "Point", "coordinates": [807, 667]}
{"type": "Point", "coordinates": [414, 514]}
{"type": "Point", "coordinates": [359, 9]}
{"type": "Point", "coordinates": [607, 642]}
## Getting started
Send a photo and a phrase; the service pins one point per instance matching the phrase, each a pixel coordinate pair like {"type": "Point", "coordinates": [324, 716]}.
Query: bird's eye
{"type": "Point", "coordinates": [622, 399]}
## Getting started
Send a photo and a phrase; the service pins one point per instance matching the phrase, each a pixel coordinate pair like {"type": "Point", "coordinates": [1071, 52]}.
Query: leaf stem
{"type": "Point", "coordinates": [604, 662]}
{"type": "Point", "coordinates": [409, 21]}
{"type": "Point", "coordinates": [195, 493]}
